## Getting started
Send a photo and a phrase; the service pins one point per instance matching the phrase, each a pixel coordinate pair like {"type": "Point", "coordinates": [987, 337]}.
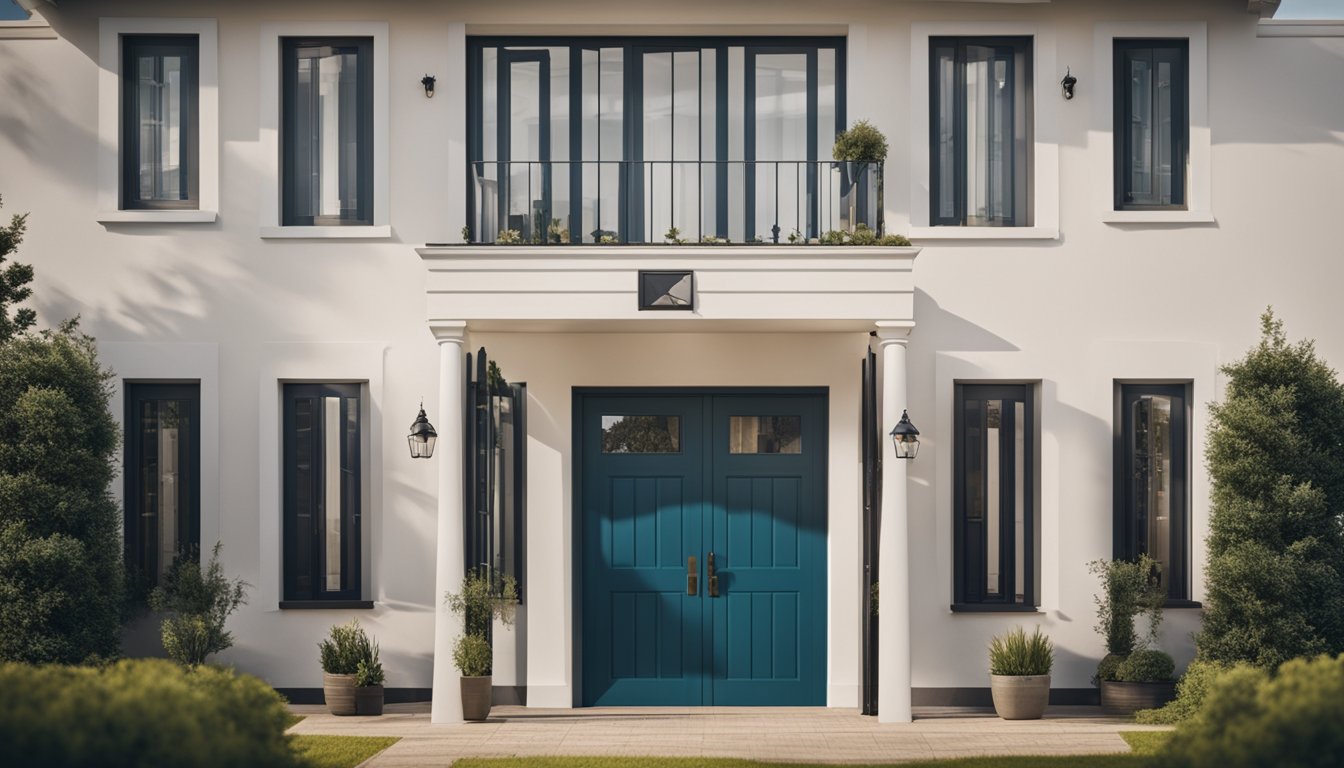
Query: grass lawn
{"type": "Point", "coordinates": [339, 751]}
{"type": "Point", "coordinates": [1145, 742]}
{"type": "Point", "coordinates": [293, 720]}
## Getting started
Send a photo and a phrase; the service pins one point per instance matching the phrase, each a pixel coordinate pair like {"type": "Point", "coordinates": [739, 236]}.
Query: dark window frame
{"type": "Point", "coordinates": [966, 572]}
{"type": "Point", "coordinates": [1180, 120]}
{"type": "Point", "coordinates": [1126, 541]}
{"type": "Point", "coordinates": [1024, 44]}
{"type": "Point", "coordinates": [189, 162]}
{"type": "Point", "coordinates": [289, 150]}
{"type": "Point", "coordinates": [143, 567]}
{"type": "Point", "coordinates": [352, 522]}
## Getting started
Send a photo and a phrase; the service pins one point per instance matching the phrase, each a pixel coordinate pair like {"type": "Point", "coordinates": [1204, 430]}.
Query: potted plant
{"type": "Point", "coordinates": [1019, 674]}
{"type": "Point", "coordinates": [1132, 675]}
{"type": "Point", "coordinates": [486, 595]}
{"type": "Point", "coordinates": [342, 652]}
{"type": "Point", "coordinates": [859, 149]}
{"type": "Point", "coordinates": [369, 684]}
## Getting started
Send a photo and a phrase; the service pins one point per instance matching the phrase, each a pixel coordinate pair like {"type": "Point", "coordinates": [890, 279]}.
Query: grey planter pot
{"type": "Point", "coordinates": [476, 698]}
{"type": "Point", "coordinates": [1020, 698]}
{"type": "Point", "coordinates": [369, 700]}
{"type": "Point", "coordinates": [1127, 698]}
{"type": "Point", "coordinates": [339, 693]}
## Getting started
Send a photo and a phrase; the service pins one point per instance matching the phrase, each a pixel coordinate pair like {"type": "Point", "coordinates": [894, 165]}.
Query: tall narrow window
{"type": "Point", "coordinates": [159, 156]}
{"type": "Point", "coordinates": [322, 492]}
{"type": "Point", "coordinates": [995, 471]}
{"type": "Point", "coordinates": [328, 132]}
{"type": "Point", "coordinates": [981, 131]}
{"type": "Point", "coordinates": [163, 479]}
{"type": "Point", "coordinates": [1152, 125]}
{"type": "Point", "coordinates": [1151, 514]}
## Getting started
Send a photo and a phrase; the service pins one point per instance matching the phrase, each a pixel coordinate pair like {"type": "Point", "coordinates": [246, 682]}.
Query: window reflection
{"type": "Point", "coordinates": [765, 434]}
{"type": "Point", "coordinates": [641, 434]}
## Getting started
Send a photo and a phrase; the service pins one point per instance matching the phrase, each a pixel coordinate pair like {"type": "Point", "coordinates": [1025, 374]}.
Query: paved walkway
{"type": "Point", "coordinates": [757, 733]}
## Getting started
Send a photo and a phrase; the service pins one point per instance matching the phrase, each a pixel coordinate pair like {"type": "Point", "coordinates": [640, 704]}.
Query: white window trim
{"type": "Point", "coordinates": [1199, 185]}
{"type": "Point", "coordinates": [110, 32]}
{"type": "Point", "coordinates": [271, 108]}
{"type": "Point", "coordinates": [291, 363]}
{"type": "Point", "coordinates": [1045, 146]}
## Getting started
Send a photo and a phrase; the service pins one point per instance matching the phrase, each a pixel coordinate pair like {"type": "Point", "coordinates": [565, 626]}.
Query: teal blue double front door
{"type": "Point", "coordinates": [703, 548]}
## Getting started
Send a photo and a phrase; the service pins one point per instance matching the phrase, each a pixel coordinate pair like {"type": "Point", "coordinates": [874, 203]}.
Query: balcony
{"type": "Point", "coordinates": [671, 201]}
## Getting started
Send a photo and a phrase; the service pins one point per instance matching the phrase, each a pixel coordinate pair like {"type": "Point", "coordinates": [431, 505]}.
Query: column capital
{"type": "Point", "coordinates": [449, 331]}
{"type": "Point", "coordinates": [894, 331]}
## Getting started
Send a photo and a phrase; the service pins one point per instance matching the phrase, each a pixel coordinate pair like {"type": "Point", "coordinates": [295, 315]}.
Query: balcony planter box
{"type": "Point", "coordinates": [476, 698]}
{"type": "Point", "coordinates": [369, 700]}
{"type": "Point", "coordinates": [1127, 698]}
{"type": "Point", "coordinates": [339, 693]}
{"type": "Point", "coordinates": [1020, 697]}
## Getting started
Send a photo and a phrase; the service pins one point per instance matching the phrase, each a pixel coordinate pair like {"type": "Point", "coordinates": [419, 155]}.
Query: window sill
{"type": "Point", "coordinates": [318, 605]}
{"type": "Point", "coordinates": [157, 217]}
{"type": "Point", "coordinates": [326, 233]}
{"type": "Point", "coordinates": [983, 233]}
{"type": "Point", "coordinates": [1171, 605]}
{"type": "Point", "coordinates": [1158, 217]}
{"type": "Point", "coordinates": [994, 608]}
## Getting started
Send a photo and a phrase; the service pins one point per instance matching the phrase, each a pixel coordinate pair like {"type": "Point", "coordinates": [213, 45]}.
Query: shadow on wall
{"type": "Point", "coordinates": [940, 330]}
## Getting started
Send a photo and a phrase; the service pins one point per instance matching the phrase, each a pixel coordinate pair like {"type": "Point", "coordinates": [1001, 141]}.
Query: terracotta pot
{"type": "Point", "coordinates": [1020, 697]}
{"type": "Point", "coordinates": [369, 700]}
{"type": "Point", "coordinates": [475, 698]}
{"type": "Point", "coordinates": [1127, 698]}
{"type": "Point", "coordinates": [339, 693]}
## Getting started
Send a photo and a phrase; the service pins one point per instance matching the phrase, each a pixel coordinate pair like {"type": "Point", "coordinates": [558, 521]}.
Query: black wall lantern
{"type": "Point", "coordinates": [1068, 83]}
{"type": "Point", "coordinates": [422, 437]}
{"type": "Point", "coordinates": [905, 437]}
{"type": "Point", "coordinates": [428, 82]}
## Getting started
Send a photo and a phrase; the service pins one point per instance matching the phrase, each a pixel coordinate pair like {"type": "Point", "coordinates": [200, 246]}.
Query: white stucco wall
{"type": "Point", "coordinates": [1074, 307]}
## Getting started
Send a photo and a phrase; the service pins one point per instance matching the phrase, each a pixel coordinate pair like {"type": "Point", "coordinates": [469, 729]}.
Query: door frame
{"type": "Point", "coordinates": [578, 396]}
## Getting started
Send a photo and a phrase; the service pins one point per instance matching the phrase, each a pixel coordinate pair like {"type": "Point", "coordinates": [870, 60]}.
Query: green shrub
{"type": "Point", "coordinates": [201, 602]}
{"type": "Point", "coordinates": [148, 712]}
{"type": "Point", "coordinates": [1146, 666]}
{"type": "Point", "coordinates": [485, 596]}
{"type": "Point", "coordinates": [1190, 692]}
{"type": "Point", "coordinates": [346, 646]}
{"type": "Point", "coordinates": [863, 143]}
{"type": "Point", "coordinates": [1275, 575]}
{"type": "Point", "coordinates": [1249, 718]}
{"type": "Point", "coordinates": [1127, 589]}
{"type": "Point", "coordinates": [1016, 654]}
{"type": "Point", "coordinates": [60, 531]}
{"type": "Point", "coordinates": [1110, 666]}
{"type": "Point", "coordinates": [899, 240]}
{"type": "Point", "coordinates": [473, 656]}
{"type": "Point", "coordinates": [863, 235]}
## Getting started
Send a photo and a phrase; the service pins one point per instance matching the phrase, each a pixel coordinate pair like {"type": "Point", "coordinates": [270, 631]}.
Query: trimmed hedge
{"type": "Point", "coordinates": [1249, 719]}
{"type": "Point", "coordinates": [147, 712]}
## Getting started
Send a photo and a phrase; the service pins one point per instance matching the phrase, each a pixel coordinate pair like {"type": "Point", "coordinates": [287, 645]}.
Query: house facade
{"type": "Point", "coordinates": [289, 225]}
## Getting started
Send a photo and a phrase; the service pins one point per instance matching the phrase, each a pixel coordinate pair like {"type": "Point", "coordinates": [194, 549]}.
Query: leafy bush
{"type": "Point", "coordinates": [1275, 576]}
{"type": "Point", "coordinates": [485, 596]}
{"type": "Point", "coordinates": [509, 237]}
{"type": "Point", "coordinates": [1110, 666]}
{"type": "Point", "coordinates": [1127, 589]}
{"type": "Point", "coordinates": [862, 235]}
{"type": "Point", "coordinates": [201, 602]}
{"type": "Point", "coordinates": [139, 713]}
{"type": "Point", "coordinates": [369, 672]}
{"type": "Point", "coordinates": [473, 656]}
{"type": "Point", "coordinates": [1252, 719]}
{"type": "Point", "coordinates": [1016, 654]}
{"type": "Point", "coordinates": [60, 531]}
{"type": "Point", "coordinates": [344, 649]}
{"type": "Point", "coordinates": [1146, 666]}
{"type": "Point", "coordinates": [1190, 692]}
{"type": "Point", "coordinates": [863, 143]}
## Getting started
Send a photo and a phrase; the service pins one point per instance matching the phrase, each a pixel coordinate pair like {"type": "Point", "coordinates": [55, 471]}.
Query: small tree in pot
{"type": "Point", "coordinates": [1019, 674]}
{"type": "Point", "coordinates": [486, 595]}
{"type": "Point", "coordinates": [1132, 675]}
{"type": "Point", "coordinates": [857, 150]}
{"type": "Point", "coordinates": [350, 662]}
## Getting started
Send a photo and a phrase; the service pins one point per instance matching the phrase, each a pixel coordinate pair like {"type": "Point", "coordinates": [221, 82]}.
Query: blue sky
{"type": "Point", "coordinates": [10, 10]}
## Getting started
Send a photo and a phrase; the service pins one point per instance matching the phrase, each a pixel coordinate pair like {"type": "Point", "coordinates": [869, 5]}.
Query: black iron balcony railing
{"type": "Point", "coordinates": [682, 201]}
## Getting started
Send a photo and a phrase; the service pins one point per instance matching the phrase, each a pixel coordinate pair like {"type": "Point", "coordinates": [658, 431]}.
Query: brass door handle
{"type": "Point", "coordinates": [692, 577]}
{"type": "Point", "coordinates": [713, 576]}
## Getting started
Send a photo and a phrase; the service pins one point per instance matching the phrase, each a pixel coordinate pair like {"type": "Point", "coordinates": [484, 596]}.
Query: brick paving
{"type": "Point", "coordinates": [756, 733]}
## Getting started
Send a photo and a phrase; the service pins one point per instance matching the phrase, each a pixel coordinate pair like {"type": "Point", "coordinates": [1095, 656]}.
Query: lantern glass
{"type": "Point", "coordinates": [422, 446]}
{"type": "Point", "coordinates": [906, 448]}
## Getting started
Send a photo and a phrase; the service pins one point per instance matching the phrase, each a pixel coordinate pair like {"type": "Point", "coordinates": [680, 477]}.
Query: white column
{"type": "Point", "coordinates": [893, 571]}
{"type": "Point", "coordinates": [449, 564]}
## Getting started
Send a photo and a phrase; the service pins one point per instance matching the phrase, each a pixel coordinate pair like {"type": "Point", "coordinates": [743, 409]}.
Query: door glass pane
{"type": "Point", "coordinates": [781, 134]}
{"type": "Point", "coordinates": [765, 434]}
{"type": "Point", "coordinates": [991, 491]}
{"type": "Point", "coordinates": [1140, 127]}
{"type": "Point", "coordinates": [326, 114]}
{"type": "Point", "coordinates": [1152, 476]}
{"type": "Point", "coordinates": [160, 451]}
{"type": "Point", "coordinates": [159, 81]}
{"type": "Point", "coordinates": [1019, 498]}
{"type": "Point", "coordinates": [641, 434]}
{"type": "Point", "coordinates": [331, 496]}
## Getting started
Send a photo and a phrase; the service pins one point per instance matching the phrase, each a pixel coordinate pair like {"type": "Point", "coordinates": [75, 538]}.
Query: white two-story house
{"type": "Point", "coordinates": [289, 224]}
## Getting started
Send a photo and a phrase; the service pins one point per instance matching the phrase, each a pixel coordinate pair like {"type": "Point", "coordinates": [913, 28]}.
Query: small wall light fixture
{"type": "Point", "coordinates": [422, 437]}
{"type": "Point", "coordinates": [905, 437]}
{"type": "Point", "coordinates": [1068, 83]}
{"type": "Point", "coordinates": [428, 82]}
